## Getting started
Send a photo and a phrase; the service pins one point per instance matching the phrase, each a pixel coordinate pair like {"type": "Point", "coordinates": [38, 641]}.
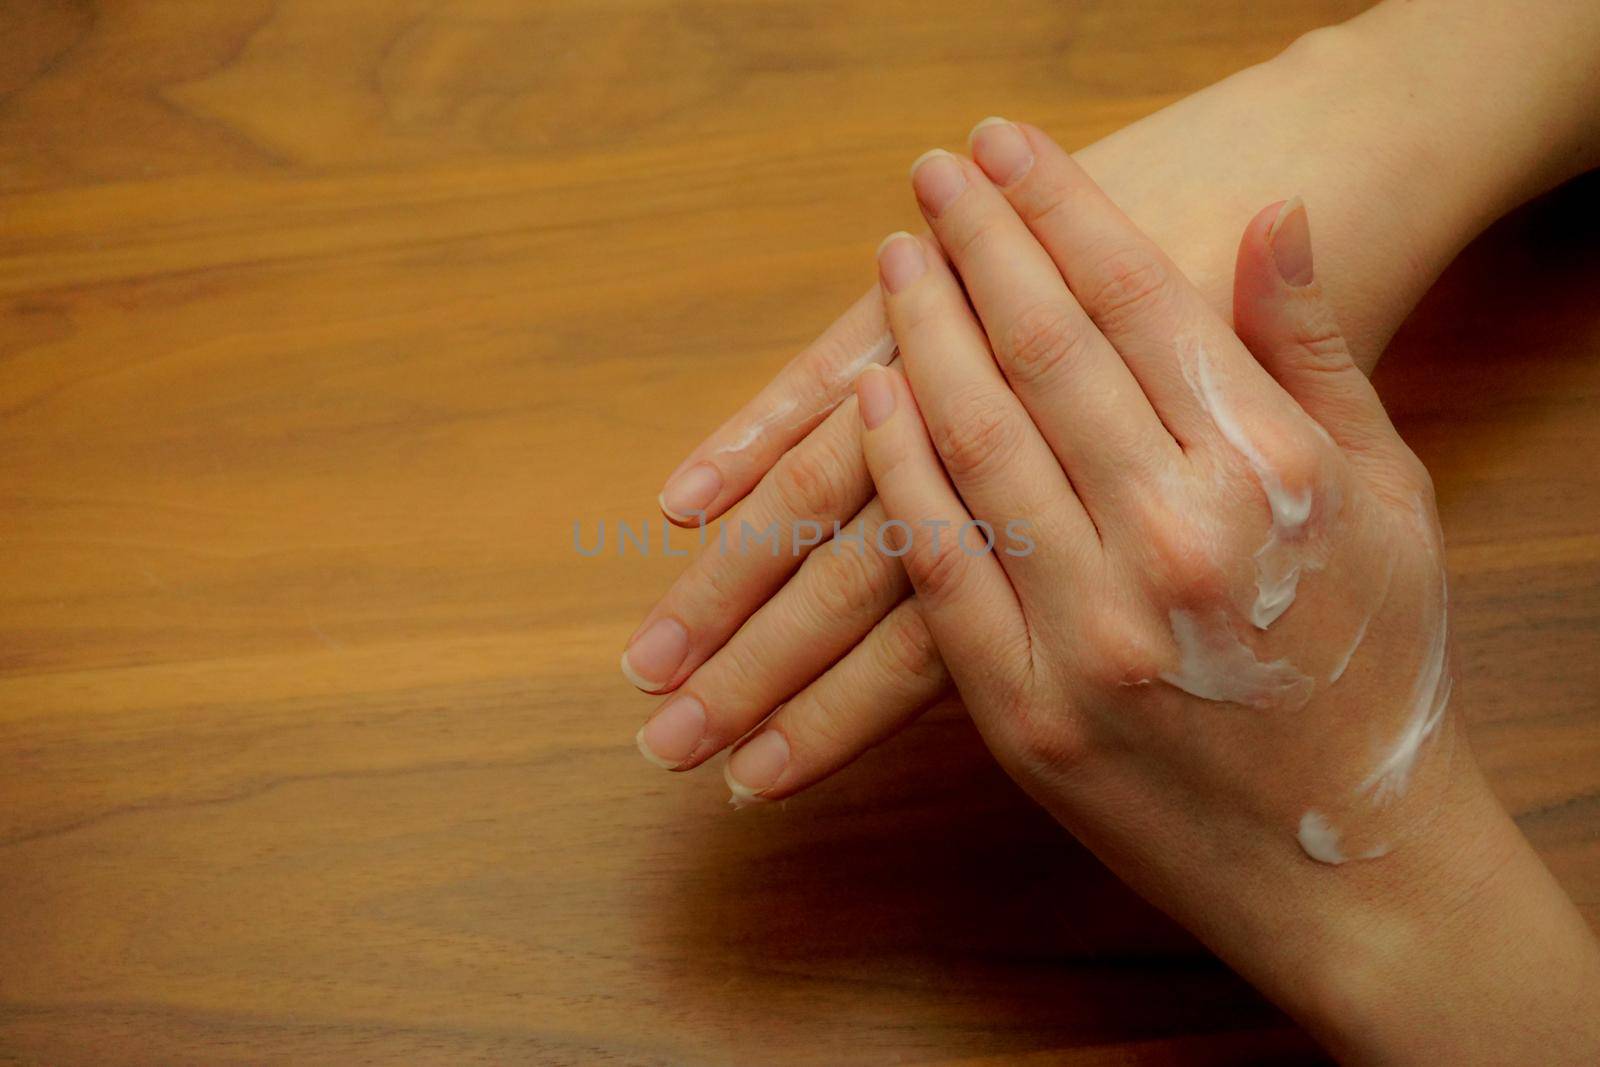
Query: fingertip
{"type": "Point", "coordinates": [883, 244]}
{"type": "Point", "coordinates": [1256, 281]}
{"type": "Point", "coordinates": [1256, 231]}
{"type": "Point", "coordinates": [875, 396]}
{"type": "Point", "coordinates": [688, 522]}
{"type": "Point", "coordinates": [901, 261]}
{"type": "Point", "coordinates": [687, 497]}
{"type": "Point", "coordinates": [1001, 150]}
{"type": "Point", "coordinates": [1289, 238]}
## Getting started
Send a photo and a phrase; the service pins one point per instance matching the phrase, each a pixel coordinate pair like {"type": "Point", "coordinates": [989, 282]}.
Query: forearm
{"type": "Point", "coordinates": [1407, 131]}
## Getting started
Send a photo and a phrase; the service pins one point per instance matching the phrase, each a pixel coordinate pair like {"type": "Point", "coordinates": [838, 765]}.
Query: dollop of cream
{"type": "Point", "coordinates": [1320, 840]}
{"type": "Point", "coordinates": [1213, 664]}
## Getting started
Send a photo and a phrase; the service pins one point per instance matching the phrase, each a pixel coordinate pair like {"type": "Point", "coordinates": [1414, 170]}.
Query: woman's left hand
{"type": "Point", "coordinates": [1222, 660]}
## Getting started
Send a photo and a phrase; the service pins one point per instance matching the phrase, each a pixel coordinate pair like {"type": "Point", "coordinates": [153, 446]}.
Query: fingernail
{"type": "Point", "coordinates": [653, 657]}
{"type": "Point", "coordinates": [673, 732]}
{"type": "Point", "coordinates": [1001, 150]}
{"type": "Point", "coordinates": [900, 261]}
{"type": "Point", "coordinates": [937, 180]}
{"type": "Point", "coordinates": [690, 491]}
{"type": "Point", "coordinates": [875, 396]}
{"type": "Point", "coordinates": [756, 765]}
{"type": "Point", "coordinates": [1290, 237]}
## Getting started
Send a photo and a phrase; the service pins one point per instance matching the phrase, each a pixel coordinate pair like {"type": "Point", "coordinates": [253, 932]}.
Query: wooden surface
{"type": "Point", "coordinates": [320, 323]}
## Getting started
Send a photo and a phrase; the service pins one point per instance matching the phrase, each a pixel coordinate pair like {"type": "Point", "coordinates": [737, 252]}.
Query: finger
{"type": "Point", "coordinates": [1076, 387]}
{"type": "Point", "coordinates": [821, 481]}
{"type": "Point", "coordinates": [1138, 299]}
{"type": "Point", "coordinates": [1282, 316]}
{"type": "Point", "coordinates": [725, 467]}
{"type": "Point", "coordinates": [841, 591]}
{"type": "Point", "coordinates": [885, 682]}
{"type": "Point", "coordinates": [969, 605]}
{"type": "Point", "coordinates": [1002, 467]}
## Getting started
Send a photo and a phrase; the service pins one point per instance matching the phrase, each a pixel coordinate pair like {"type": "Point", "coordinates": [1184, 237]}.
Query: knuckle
{"type": "Point", "coordinates": [1041, 341]}
{"type": "Point", "coordinates": [1129, 283]}
{"type": "Point", "coordinates": [819, 722]}
{"type": "Point", "coordinates": [729, 687]}
{"type": "Point", "coordinates": [981, 440]}
{"type": "Point", "coordinates": [908, 648]}
{"type": "Point", "coordinates": [820, 376]}
{"type": "Point", "coordinates": [1184, 558]}
{"type": "Point", "coordinates": [1045, 738]}
{"type": "Point", "coordinates": [1116, 654]}
{"type": "Point", "coordinates": [935, 570]}
{"type": "Point", "coordinates": [718, 580]}
{"type": "Point", "coordinates": [973, 240]}
{"type": "Point", "coordinates": [1297, 459]}
{"type": "Point", "coordinates": [1325, 349]}
{"type": "Point", "coordinates": [850, 582]}
{"type": "Point", "coordinates": [814, 483]}
{"type": "Point", "coordinates": [1319, 344]}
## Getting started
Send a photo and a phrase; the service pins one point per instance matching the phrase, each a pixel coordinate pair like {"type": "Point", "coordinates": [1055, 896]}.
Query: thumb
{"type": "Point", "coordinates": [1282, 316]}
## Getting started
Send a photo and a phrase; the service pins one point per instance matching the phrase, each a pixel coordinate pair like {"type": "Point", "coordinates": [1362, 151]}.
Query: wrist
{"type": "Point", "coordinates": [1410, 155]}
{"type": "Point", "coordinates": [1457, 945]}
{"type": "Point", "coordinates": [1483, 104]}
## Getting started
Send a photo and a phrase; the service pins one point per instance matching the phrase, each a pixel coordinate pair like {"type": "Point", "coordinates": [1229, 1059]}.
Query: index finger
{"type": "Point", "coordinates": [729, 463]}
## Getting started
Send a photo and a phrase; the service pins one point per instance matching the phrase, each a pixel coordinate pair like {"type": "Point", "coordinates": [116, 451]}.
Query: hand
{"type": "Point", "coordinates": [1398, 191]}
{"type": "Point", "coordinates": [826, 639]}
{"type": "Point", "coordinates": [1240, 581]}
{"type": "Point", "coordinates": [1224, 664]}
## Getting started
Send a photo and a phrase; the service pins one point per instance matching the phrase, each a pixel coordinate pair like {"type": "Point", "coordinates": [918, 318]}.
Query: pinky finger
{"type": "Point", "coordinates": [875, 691]}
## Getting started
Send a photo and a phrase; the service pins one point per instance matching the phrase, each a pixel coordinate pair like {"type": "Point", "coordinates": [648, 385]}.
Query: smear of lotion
{"type": "Point", "coordinates": [782, 413]}
{"type": "Point", "coordinates": [1430, 695]}
{"type": "Point", "coordinates": [759, 426]}
{"type": "Point", "coordinates": [1344, 660]}
{"type": "Point", "coordinates": [1215, 665]}
{"type": "Point", "coordinates": [1361, 631]}
{"type": "Point", "coordinates": [1280, 561]}
{"type": "Point", "coordinates": [881, 351]}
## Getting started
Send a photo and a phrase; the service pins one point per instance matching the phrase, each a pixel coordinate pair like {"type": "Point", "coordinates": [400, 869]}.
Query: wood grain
{"type": "Point", "coordinates": [321, 322]}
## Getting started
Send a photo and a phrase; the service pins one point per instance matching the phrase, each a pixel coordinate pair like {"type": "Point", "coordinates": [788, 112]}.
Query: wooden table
{"type": "Point", "coordinates": [322, 320]}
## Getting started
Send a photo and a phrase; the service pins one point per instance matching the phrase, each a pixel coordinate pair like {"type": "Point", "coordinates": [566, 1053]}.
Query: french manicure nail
{"type": "Point", "coordinates": [654, 656]}
{"type": "Point", "coordinates": [691, 491]}
{"type": "Point", "coordinates": [673, 732]}
{"type": "Point", "coordinates": [874, 396]}
{"type": "Point", "coordinates": [900, 261]}
{"type": "Point", "coordinates": [756, 765]}
{"type": "Point", "coordinates": [1001, 150]}
{"type": "Point", "coordinates": [1290, 237]}
{"type": "Point", "coordinates": [937, 179]}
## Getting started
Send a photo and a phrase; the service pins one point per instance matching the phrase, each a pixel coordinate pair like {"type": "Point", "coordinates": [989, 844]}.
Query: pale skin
{"type": "Point", "coordinates": [1394, 191]}
{"type": "Point", "coordinates": [1455, 940]}
{"type": "Point", "coordinates": [1128, 458]}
